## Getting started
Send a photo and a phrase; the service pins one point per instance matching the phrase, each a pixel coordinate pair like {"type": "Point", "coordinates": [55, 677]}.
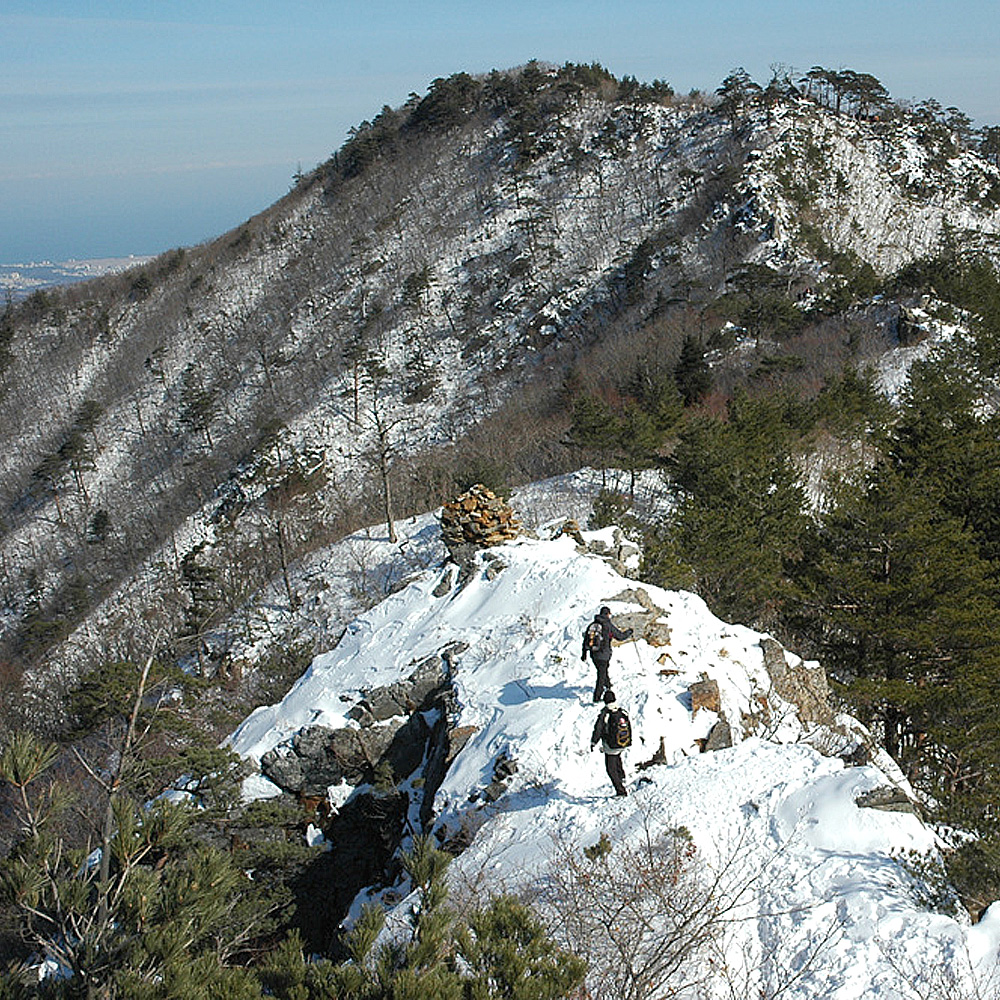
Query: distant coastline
{"type": "Point", "coordinates": [18, 281]}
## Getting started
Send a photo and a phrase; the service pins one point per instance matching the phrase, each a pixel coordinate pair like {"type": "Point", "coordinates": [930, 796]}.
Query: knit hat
{"type": "Point", "coordinates": [609, 696]}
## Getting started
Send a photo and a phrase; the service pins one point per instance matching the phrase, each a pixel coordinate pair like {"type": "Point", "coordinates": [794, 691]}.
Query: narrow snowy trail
{"type": "Point", "coordinates": [819, 901]}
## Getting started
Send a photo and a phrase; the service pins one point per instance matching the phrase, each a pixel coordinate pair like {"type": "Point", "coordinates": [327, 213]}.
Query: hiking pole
{"type": "Point", "coordinates": [638, 655]}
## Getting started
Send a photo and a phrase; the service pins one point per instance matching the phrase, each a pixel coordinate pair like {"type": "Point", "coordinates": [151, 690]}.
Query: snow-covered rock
{"type": "Point", "coordinates": [817, 897]}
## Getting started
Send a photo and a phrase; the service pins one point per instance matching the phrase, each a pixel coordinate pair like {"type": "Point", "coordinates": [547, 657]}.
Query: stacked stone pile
{"type": "Point", "coordinates": [478, 518]}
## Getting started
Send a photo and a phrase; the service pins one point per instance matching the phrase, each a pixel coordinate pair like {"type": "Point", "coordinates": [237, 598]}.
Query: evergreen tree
{"type": "Point", "coordinates": [652, 386]}
{"type": "Point", "coordinates": [639, 438]}
{"type": "Point", "coordinates": [510, 955]}
{"type": "Point", "coordinates": [160, 915]}
{"type": "Point", "coordinates": [691, 373]}
{"type": "Point", "coordinates": [151, 914]}
{"type": "Point", "coordinates": [448, 102]}
{"type": "Point", "coordinates": [501, 951]}
{"type": "Point", "coordinates": [202, 584]}
{"type": "Point", "coordinates": [630, 431]}
{"type": "Point", "coordinates": [764, 308]}
{"type": "Point", "coordinates": [905, 613]}
{"type": "Point", "coordinates": [899, 591]}
{"type": "Point", "coordinates": [989, 143]}
{"type": "Point", "coordinates": [851, 406]}
{"type": "Point", "coordinates": [198, 404]}
{"type": "Point", "coordinates": [945, 446]}
{"type": "Point", "coordinates": [740, 511]}
{"type": "Point", "coordinates": [593, 427]}
{"type": "Point", "coordinates": [738, 95]}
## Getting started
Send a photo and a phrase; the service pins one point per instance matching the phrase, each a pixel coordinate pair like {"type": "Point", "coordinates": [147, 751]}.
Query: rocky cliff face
{"type": "Point", "coordinates": [888, 192]}
{"type": "Point", "coordinates": [357, 781]}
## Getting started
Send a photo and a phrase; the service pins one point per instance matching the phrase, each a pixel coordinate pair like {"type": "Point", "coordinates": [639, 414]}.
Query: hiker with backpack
{"type": "Point", "coordinates": [597, 638]}
{"type": "Point", "coordinates": [613, 731]}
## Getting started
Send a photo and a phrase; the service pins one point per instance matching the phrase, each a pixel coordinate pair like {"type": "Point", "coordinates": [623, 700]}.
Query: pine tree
{"type": "Point", "coordinates": [501, 950]}
{"type": "Point", "coordinates": [738, 95]}
{"type": "Point", "coordinates": [740, 511]}
{"type": "Point", "coordinates": [899, 595]}
{"type": "Point", "coordinates": [947, 447]}
{"type": "Point", "coordinates": [851, 407]}
{"type": "Point", "coordinates": [202, 583]}
{"type": "Point", "coordinates": [594, 427]}
{"type": "Point", "coordinates": [198, 404]}
{"type": "Point", "coordinates": [510, 955]}
{"type": "Point", "coordinates": [639, 438]}
{"type": "Point", "coordinates": [628, 432]}
{"type": "Point", "coordinates": [691, 373]}
{"type": "Point", "coordinates": [144, 909]}
{"type": "Point", "coordinates": [907, 611]}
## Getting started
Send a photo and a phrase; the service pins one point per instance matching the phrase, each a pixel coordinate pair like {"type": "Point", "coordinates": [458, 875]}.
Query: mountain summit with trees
{"type": "Point", "coordinates": [767, 313]}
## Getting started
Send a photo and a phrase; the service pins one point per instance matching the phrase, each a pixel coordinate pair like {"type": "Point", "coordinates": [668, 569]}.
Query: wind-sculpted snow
{"type": "Point", "coordinates": [813, 894]}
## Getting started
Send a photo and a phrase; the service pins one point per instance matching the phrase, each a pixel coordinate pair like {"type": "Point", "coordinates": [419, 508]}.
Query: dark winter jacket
{"type": "Point", "coordinates": [609, 631]}
{"type": "Point", "coordinates": [600, 732]}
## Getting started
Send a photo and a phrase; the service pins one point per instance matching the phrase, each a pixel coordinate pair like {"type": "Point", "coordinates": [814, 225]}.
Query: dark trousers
{"type": "Point", "coordinates": [603, 680]}
{"type": "Point", "coordinates": [616, 771]}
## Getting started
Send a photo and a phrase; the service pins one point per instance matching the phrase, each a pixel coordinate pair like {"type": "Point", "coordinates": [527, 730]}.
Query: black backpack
{"type": "Point", "coordinates": [618, 730]}
{"type": "Point", "coordinates": [593, 636]}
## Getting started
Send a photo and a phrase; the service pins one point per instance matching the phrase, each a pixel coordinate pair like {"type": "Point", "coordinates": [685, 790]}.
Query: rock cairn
{"type": "Point", "coordinates": [478, 518]}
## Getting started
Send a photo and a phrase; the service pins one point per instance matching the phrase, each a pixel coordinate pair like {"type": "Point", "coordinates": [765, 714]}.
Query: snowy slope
{"type": "Point", "coordinates": [667, 197]}
{"type": "Point", "coordinates": [817, 901]}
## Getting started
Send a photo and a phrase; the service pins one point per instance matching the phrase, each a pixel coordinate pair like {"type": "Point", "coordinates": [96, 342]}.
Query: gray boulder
{"type": "Point", "coordinates": [720, 736]}
{"type": "Point", "coordinates": [888, 798]}
{"type": "Point", "coordinates": [800, 684]}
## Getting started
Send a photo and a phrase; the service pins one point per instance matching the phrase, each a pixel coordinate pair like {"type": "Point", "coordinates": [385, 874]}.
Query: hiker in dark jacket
{"type": "Point", "coordinates": [601, 652]}
{"type": "Point", "coordinates": [603, 734]}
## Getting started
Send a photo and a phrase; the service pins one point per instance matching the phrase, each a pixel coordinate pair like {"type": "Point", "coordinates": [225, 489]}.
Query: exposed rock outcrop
{"type": "Point", "coordinates": [888, 798]}
{"type": "Point", "coordinates": [398, 728]}
{"type": "Point", "coordinates": [620, 550]}
{"type": "Point", "coordinates": [571, 527]}
{"type": "Point", "coordinates": [395, 730]}
{"type": "Point", "coordinates": [646, 624]}
{"type": "Point", "coordinates": [319, 757]}
{"type": "Point", "coordinates": [705, 695]}
{"type": "Point", "coordinates": [802, 684]}
{"type": "Point", "coordinates": [658, 758]}
{"type": "Point", "coordinates": [504, 768]}
{"type": "Point", "coordinates": [720, 736]}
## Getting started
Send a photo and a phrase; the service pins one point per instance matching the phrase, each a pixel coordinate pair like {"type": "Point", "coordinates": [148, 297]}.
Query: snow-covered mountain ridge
{"type": "Point", "coordinates": [812, 892]}
{"type": "Point", "coordinates": [168, 420]}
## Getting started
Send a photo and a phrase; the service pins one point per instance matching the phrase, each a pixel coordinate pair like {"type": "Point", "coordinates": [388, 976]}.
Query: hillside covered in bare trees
{"type": "Point", "coordinates": [437, 305]}
{"type": "Point", "coordinates": [299, 530]}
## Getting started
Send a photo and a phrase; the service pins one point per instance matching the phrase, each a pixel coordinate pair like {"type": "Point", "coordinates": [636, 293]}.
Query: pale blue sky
{"type": "Point", "coordinates": [135, 126]}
